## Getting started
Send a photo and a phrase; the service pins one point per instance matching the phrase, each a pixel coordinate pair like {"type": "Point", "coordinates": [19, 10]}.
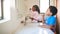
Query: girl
{"type": "Point", "coordinates": [35, 17]}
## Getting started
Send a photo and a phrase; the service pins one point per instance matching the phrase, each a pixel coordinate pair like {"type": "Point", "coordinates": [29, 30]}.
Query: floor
{"type": "Point", "coordinates": [33, 29]}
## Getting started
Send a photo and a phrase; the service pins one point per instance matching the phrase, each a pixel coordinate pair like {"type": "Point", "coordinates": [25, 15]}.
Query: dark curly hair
{"type": "Point", "coordinates": [53, 10]}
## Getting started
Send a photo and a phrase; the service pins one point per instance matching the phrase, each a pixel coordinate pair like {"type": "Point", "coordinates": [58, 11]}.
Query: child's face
{"type": "Point", "coordinates": [33, 8]}
{"type": "Point", "coordinates": [48, 13]}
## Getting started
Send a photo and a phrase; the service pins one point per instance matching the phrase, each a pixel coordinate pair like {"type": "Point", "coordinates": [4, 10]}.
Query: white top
{"type": "Point", "coordinates": [36, 16]}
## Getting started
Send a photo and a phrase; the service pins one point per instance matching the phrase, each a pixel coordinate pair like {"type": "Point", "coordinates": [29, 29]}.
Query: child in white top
{"type": "Point", "coordinates": [35, 17]}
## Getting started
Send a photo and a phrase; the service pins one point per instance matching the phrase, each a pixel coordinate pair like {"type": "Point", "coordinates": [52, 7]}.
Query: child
{"type": "Point", "coordinates": [50, 20]}
{"type": "Point", "coordinates": [35, 14]}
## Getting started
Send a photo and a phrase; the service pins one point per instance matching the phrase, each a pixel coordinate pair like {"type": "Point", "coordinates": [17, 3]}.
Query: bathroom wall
{"type": "Point", "coordinates": [30, 3]}
{"type": "Point", "coordinates": [24, 6]}
{"type": "Point", "coordinates": [58, 6]}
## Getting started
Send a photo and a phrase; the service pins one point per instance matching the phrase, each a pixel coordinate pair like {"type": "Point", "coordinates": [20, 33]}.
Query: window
{"type": "Point", "coordinates": [1, 9]}
{"type": "Point", "coordinates": [44, 4]}
{"type": "Point", "coordinates": [5, 10]}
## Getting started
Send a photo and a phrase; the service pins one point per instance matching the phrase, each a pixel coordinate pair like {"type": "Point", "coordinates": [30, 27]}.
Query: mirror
{"type": "Point", "coordinates": [23, 7]}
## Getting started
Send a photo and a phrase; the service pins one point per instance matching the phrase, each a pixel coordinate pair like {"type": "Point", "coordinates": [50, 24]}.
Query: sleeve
{"type": "Point", "coordinates": [52, 21]}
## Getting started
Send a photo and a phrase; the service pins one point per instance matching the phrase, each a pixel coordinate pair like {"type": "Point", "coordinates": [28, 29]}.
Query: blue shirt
{"type": "Point", "coordinates": [50, 20]}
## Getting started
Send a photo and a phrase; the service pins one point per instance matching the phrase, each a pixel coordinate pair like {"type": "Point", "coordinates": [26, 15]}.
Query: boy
{"type": "Point", "coordinates": [50, 20]}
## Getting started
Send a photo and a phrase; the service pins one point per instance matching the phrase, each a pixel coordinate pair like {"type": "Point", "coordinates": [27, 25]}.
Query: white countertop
{"type": "Point", "coordinates": [33, 28]}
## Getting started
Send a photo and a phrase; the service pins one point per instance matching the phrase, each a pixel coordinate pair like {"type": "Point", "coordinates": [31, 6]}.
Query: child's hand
{"type": "Point", "coordinates": [31, 18]}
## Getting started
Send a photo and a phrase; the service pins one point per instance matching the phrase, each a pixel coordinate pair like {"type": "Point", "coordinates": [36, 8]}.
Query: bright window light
{"type": "Point", "coordinates": [44, 4]}
{"type": "Point", "coordinates": [6, 11]}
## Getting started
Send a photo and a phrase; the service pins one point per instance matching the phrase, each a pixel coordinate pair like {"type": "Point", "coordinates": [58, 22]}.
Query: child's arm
{"type": "Point", "coordinates": [31, 18]}
{"type": "Point", "coordinates": [36, 19]}
{"type": "Point", "coordinates": [52, 24]}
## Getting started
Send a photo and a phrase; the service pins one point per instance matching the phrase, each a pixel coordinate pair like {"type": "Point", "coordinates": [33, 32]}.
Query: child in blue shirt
{"type": "Point", "coordinates": [50, 19]}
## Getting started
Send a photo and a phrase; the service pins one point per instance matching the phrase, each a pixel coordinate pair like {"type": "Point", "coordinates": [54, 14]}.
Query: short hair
{"type": "Point", "coordinates": [53, 10]}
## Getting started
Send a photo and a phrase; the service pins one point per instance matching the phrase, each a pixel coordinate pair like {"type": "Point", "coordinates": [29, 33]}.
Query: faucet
{"type": "Point", "coordinates": [26, 18]}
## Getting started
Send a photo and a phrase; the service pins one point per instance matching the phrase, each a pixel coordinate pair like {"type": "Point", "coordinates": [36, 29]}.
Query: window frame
{"type": "Point", "coordinates": [1, 10]}
{"type": "Point", "coordinates": [6, 11]}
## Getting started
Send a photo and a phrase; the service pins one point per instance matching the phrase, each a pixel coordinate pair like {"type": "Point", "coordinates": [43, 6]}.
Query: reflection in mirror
{"type": "Point", "coordinates": [24, 7]}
